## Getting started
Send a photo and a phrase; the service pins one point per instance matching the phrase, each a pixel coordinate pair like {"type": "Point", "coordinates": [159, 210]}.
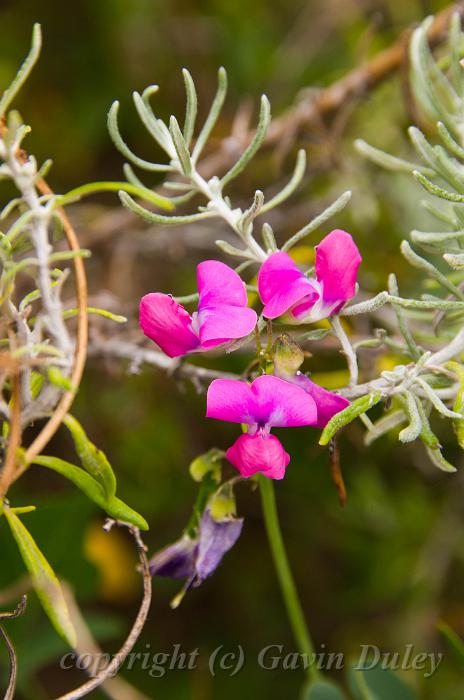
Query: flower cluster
{"type": "Point", "coordinates": [286, 399]}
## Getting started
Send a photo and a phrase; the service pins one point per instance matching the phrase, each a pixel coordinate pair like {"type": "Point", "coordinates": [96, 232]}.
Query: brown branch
{"type": "Point", "coordinates": [9, 695]}
{"type": "Point", "coordinates": [137, 356]}
{"type": "Point", "coordinates": [80, 355]}
{"type": "Point", "coordinates": [112, 669]}
{"type": "Point", "coordinates": [321, 103]}
{"type": "Point", "coordinates": [117, 688]}
{"type": "Point", "coordinates": [8, 471]}
{"type": "Point", "coordinates": [359, 81]}
{"type": "Point", "coordinates": [336, 470]}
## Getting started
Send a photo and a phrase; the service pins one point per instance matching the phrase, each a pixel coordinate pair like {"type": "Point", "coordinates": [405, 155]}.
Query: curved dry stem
{"type": "Point", "coordinates": [10, 691]}
{"type": "Point", "coordinates": [112, 669]}
{"type": "Point", "coordinates": [80, 355]}
{"type": "Point", "coordinates": [8, 471]}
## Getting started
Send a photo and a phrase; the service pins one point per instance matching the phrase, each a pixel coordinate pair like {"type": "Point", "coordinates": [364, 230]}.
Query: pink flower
{"type": "Point", "coordinates": [328, 403]}
{"type": "Point", "coordinates": [284, 289]}
{"type": "Point", "coordinates": [288, 359]}
{"type": "Point", "coordinates": [265, 403]}
{"type": "Point", "coordinates": [222, 316]}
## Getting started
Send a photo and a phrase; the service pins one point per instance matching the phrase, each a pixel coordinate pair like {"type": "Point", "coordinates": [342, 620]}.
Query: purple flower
{"type": "Point", "coordinates": [265, 403]}
{"type": "Point", "coordinates": [194, 559]}
{"type": "Point", "coordinates": [177, 560]}
{"type": "Point", "coordinates": [222, 316]}
{"type": "Point", "coordinates": [284, 289]}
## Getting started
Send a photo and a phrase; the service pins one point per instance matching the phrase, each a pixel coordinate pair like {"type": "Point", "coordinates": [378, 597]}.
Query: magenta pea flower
{"type": "Point", "coordinates": [265, 403]}
{"type": "Point", "coordinates": [286, 291]}
{"type": "Point", "coordinates": [222, 316]}
{"type": "Point", "coordinates": [288, 359]}
{"type": "Point", "coordinates": [328, 403]}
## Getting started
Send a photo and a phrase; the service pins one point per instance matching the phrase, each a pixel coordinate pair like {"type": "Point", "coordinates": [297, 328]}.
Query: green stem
{"type": "Point", "coordinates": [95, 187]}
{"type": "Point", "coordinates": [284, 574]}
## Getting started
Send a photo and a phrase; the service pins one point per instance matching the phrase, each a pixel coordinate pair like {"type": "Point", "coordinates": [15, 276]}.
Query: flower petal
{"type": "Point", "coordinates": [328, 403]}
{"type": "Point", "coordinates": [215, 540]}
{"type": "Point", "coordinates": [261, 452]}
{"type": "Point", "coordinates": [300, 290]}
{"type": "Point", "coordinates": [281, 404]}
{"type": "Point", "coordinates": [168, 324]}
{"type": "Point", "coordinates": [220, 324]}
{"type": "Point", "coordinates": [218, 284]}
{"type": "Point", "coordinates": [268, 401]}
{"type": "Point", "coordinates": [230, 400]}
{"type": "Point", "coordinates": [337, 262]}
{"type": "Point", "coordinates": [177, 560]}
{"type": "Point", "coordinates": [281, 284]}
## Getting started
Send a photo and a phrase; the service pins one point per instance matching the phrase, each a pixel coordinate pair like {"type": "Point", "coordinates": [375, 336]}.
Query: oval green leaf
{"type": "Point", "coordinates": [43, 578]}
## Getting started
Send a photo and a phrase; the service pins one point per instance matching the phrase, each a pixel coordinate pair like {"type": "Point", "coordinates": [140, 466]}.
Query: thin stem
{"type": "Point", "coordinates": [10, 691]}
{"type": "Point", "coordinates": [228, 214]}
{"type": "Point", "coordinates": [118, 659]}
{"type": "Point", "coordinates": [14, 442]}
{"type": "Point", "coordinates": [347, 349]}
{"type": "Point", "coordinates": [284, 574]}
{"type": "Point", "coordinates": [90, 188]}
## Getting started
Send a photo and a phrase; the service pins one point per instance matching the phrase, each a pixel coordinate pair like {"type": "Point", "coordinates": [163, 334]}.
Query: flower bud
{"type": "Point", "coordinates": [288, 357]}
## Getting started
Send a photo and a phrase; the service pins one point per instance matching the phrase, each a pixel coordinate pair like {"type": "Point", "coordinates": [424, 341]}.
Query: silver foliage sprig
{"type": "Point", "coordinates": [184, 153]}
{"type": "Point", "coordinates": [426, 384]}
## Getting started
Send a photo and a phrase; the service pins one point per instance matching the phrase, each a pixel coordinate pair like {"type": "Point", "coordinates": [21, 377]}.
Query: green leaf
{"type": "Point", "coordinates": [24, 71]}
{"type": "Point", "coordinates": [43, 578]}
{"type": "Point", "coordinates": [93, 460]}
{"type": "Point", "coordinates": [117, 318]}
{"type": "Point", "coordinates": [453, 639]}
{"type": "Point", "coordinates": [439, 461]}
{"type": "Point", "coordinates": [458, 423]}
{"type": "Point", "coordinates": [113, 506]}
{"type": "Point", "coordinates": [90, 188]}
{"type": "Point", "coordinates": [333, 209]}
{"type": "Point", "coordinates": [253, 147]}
{"type": "Point", "coordinates": [57, 378]}
{"type": "Point", "coordinates": [323, 690]}
{"type": "Point", "coordinates": [355, 409]}
{"type": "Point", "coordinates": [378, 684]}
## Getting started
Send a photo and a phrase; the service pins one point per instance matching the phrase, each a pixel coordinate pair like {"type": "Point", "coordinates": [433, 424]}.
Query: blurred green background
{"type": "Point", "coordinates": [386, 568]}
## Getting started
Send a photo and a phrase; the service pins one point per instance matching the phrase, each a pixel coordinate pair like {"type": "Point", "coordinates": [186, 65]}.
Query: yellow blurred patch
{"type": "Point", "coordinates": [115, 562]}
{"type": "Point", "coordinates": [331, 380]}
{"type": "Point", "coordinates": [389, 362]}
{"type": "Point", "coordinates": [302, 254]}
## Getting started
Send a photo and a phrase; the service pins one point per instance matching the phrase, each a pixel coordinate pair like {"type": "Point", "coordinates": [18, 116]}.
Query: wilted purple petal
{"type": "Point", "coordinates": [177, 560]}
{"type": "Point", "coordinates": [215, 540]}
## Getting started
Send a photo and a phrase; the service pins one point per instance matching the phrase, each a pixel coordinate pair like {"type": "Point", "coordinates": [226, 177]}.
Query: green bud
{"type": "Point", "coordinates": [222, 505]}
{"type": "Point", "coordinates": [288, 356]}
{"type": "Point", "coordinates": [208, 463]}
